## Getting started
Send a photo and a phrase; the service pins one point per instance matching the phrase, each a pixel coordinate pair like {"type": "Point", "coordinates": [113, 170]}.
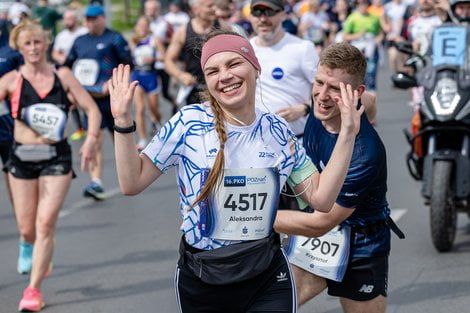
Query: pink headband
{"type": "Point", "coordinates": [232, 43]}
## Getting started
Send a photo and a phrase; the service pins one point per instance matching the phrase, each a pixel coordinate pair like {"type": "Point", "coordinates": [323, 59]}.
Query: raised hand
{"type": "Point", "coordinates": [350, 115]}
{"type": "Point", "coordinates": [121, 92]}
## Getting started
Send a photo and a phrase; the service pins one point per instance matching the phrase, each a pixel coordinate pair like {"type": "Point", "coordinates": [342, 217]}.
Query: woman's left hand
{"type": "Point", "coordinates": [121, 92]}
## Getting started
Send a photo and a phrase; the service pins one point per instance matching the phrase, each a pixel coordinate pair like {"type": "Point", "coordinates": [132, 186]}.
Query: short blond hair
{"type": "Point", "coordinates": [346, 57]}
{"type": "Point", "coordinates": [26, 25]}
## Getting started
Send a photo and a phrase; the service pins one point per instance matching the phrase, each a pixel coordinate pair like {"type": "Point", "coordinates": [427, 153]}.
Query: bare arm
{"type": "Point", "coordinates": [351, 37]}
{"type": "Point", "coordinates": [59, 56]}
{"type": "Point", "coordinates": [303, 27]}
{"type": "Point", "coordinates": [171, 57]}
{"type": "Point", "coordinates": [7, 84]}
{"type": "Point", "coordinates": [386, 24]}
{"type": "Point", "coordinates": [321, 190]}
{"type": "Point", "coordinates": [293, 112]}
{"type": "Point", "coordinates": [314, 224]}
{"type": "Point", "coordinates": [135, 172]}
{"type": "Point", "coordinates": [369, 101]}
{"type": "Point", "coordinates": [86, 102]}
{"type": "Point", "coordinates": [160, 49]}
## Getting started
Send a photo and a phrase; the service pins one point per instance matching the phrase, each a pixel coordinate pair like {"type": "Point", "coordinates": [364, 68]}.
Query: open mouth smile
{"type": "Point", "coordinates": [231, 87]}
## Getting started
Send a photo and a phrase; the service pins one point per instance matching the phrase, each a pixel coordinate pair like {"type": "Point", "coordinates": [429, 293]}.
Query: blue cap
{"type": "Point", "coordinates": [94, 10]}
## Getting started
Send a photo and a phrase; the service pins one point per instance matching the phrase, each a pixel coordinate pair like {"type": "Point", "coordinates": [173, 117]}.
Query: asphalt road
{"type": "Point", "coordinates": [119, 255]}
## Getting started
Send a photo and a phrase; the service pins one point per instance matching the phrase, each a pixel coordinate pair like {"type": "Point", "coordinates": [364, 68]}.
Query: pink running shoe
{"type": "Point", "coordinates": [31, 301]}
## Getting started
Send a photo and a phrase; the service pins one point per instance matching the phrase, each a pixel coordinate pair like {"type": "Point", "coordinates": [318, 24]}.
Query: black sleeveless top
{"type": "Point", "coordinates": [28, 96]}
{"type": "Point", "coordinates": [191, 51]}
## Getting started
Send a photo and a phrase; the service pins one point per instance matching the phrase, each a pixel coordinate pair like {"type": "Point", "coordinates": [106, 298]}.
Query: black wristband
{"type": "Point", "coordinates": [307, 109]}
{"type": "Point", "coordinates": [125, 130]}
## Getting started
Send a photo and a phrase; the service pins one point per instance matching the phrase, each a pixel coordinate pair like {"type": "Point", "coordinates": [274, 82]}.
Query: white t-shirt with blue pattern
{"type": "Point", "coordinates": [189, 142]}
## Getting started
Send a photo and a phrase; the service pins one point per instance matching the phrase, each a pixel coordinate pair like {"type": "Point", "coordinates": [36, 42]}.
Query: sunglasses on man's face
{"type": "Point", "coordinates": [265, 12]}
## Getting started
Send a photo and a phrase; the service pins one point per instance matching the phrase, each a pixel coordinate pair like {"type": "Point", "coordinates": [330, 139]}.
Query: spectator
{"type": "Point", "coordinates": [176, 16]}
{"type": "Point", "coordinates": [162, 30]}
{"type": "Point", "coordinates": [363, 31]}
{"type": "Point", "coordinates": [66, 37]}
{"type": "Point", "coordinates": [18, 11]}
{"type": "Point", "coordinates": [182, 49]}
{"type": "Point", "coordinates": [393, 22]}
{"type": "Point", "coordinates": [314, 24]}
{"type": "Point", "coordinates": [47, 16]}
{"type": "Point", "coordinates": [224, 10]}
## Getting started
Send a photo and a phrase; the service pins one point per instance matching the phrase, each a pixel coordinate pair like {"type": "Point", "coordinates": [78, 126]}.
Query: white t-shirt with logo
{"type": "Point", "coordinates": [189, 142]}
{"type": "Point", "coordinates": [287, 73]}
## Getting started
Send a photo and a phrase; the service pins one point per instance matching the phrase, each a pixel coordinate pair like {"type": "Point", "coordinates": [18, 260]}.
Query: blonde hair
{"type": "Point", "coordinates": [26, 25]}
{"type": "Point", "coordinates": [217, 170]}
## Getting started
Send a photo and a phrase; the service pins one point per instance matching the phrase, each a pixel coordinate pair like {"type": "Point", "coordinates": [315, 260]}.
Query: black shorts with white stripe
{"type": "Point", "coordinates": [271, 291]}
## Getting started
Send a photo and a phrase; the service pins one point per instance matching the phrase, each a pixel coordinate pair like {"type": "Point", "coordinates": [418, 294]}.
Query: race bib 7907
{"type": "Point", "coordinates": [326, 256]}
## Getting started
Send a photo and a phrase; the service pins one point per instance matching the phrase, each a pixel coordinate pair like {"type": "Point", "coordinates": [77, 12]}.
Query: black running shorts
{"type": "Point", "coordinates": [107, 119]}
{"type": "Point", "coordinates": [5, 147]}
{"type": "Point", "coordinates": [271, 291]}
{"type": "Point", "coordinates": [365, 279]}
{"type": "Point", "coordinates": [57, 166]}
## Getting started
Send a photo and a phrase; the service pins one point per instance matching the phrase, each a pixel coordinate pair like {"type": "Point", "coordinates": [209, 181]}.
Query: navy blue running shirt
{"type": "Point", "coordinates": [109, 50]}
{"type": "Point", "coordinates": [365, 185]}
{"type": "Point", "coordinates": [9, 60]}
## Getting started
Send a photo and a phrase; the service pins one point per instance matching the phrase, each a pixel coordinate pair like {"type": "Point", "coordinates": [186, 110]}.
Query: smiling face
{"type": "Point", "coordinates": [327, 93]}
{"type": "Point", "coordinates": [32, 44]}
{"type": "Point", "coordinates": [231, 80]}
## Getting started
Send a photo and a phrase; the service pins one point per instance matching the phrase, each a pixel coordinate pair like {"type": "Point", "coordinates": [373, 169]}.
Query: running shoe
{"type": "Point", "coordinates": [95, 191]}
{"type": "Point", "coordinates": [25, 258]}
{"type": "Point", "coordinates": [31, 301]}
{"type": "Point", "coordinates": [79, 134]}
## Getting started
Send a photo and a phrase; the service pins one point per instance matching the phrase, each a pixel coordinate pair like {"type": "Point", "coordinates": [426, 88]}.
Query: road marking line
{"type": "Point", "coordinates": [396, 214]}
{"type": "Point", "coordinates": [74, 207]}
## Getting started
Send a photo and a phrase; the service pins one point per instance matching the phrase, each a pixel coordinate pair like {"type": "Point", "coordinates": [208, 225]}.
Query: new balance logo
{"type": "Point", "coordinates": [366, 288]}
{"type": "Point", "coordinates": [282, 276]}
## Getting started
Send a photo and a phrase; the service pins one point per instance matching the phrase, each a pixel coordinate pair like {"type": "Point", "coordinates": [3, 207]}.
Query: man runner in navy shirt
{"type": "Point", "coordinates": [351, 259]}
{"type": "Point", "coordinates": [92, 58]}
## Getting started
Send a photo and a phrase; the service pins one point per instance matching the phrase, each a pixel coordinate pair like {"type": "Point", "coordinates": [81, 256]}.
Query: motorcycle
{"type": "Point", "coordinates": [439, 155]}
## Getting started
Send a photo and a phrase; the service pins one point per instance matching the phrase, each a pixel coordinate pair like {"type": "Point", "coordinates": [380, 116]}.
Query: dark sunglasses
{"type": "Point", "coordinates": [266, 12]}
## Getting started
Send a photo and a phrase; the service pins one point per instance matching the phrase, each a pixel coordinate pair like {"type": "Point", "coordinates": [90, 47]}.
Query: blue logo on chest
{"type": "Point", "coordinates": [277, 73]}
